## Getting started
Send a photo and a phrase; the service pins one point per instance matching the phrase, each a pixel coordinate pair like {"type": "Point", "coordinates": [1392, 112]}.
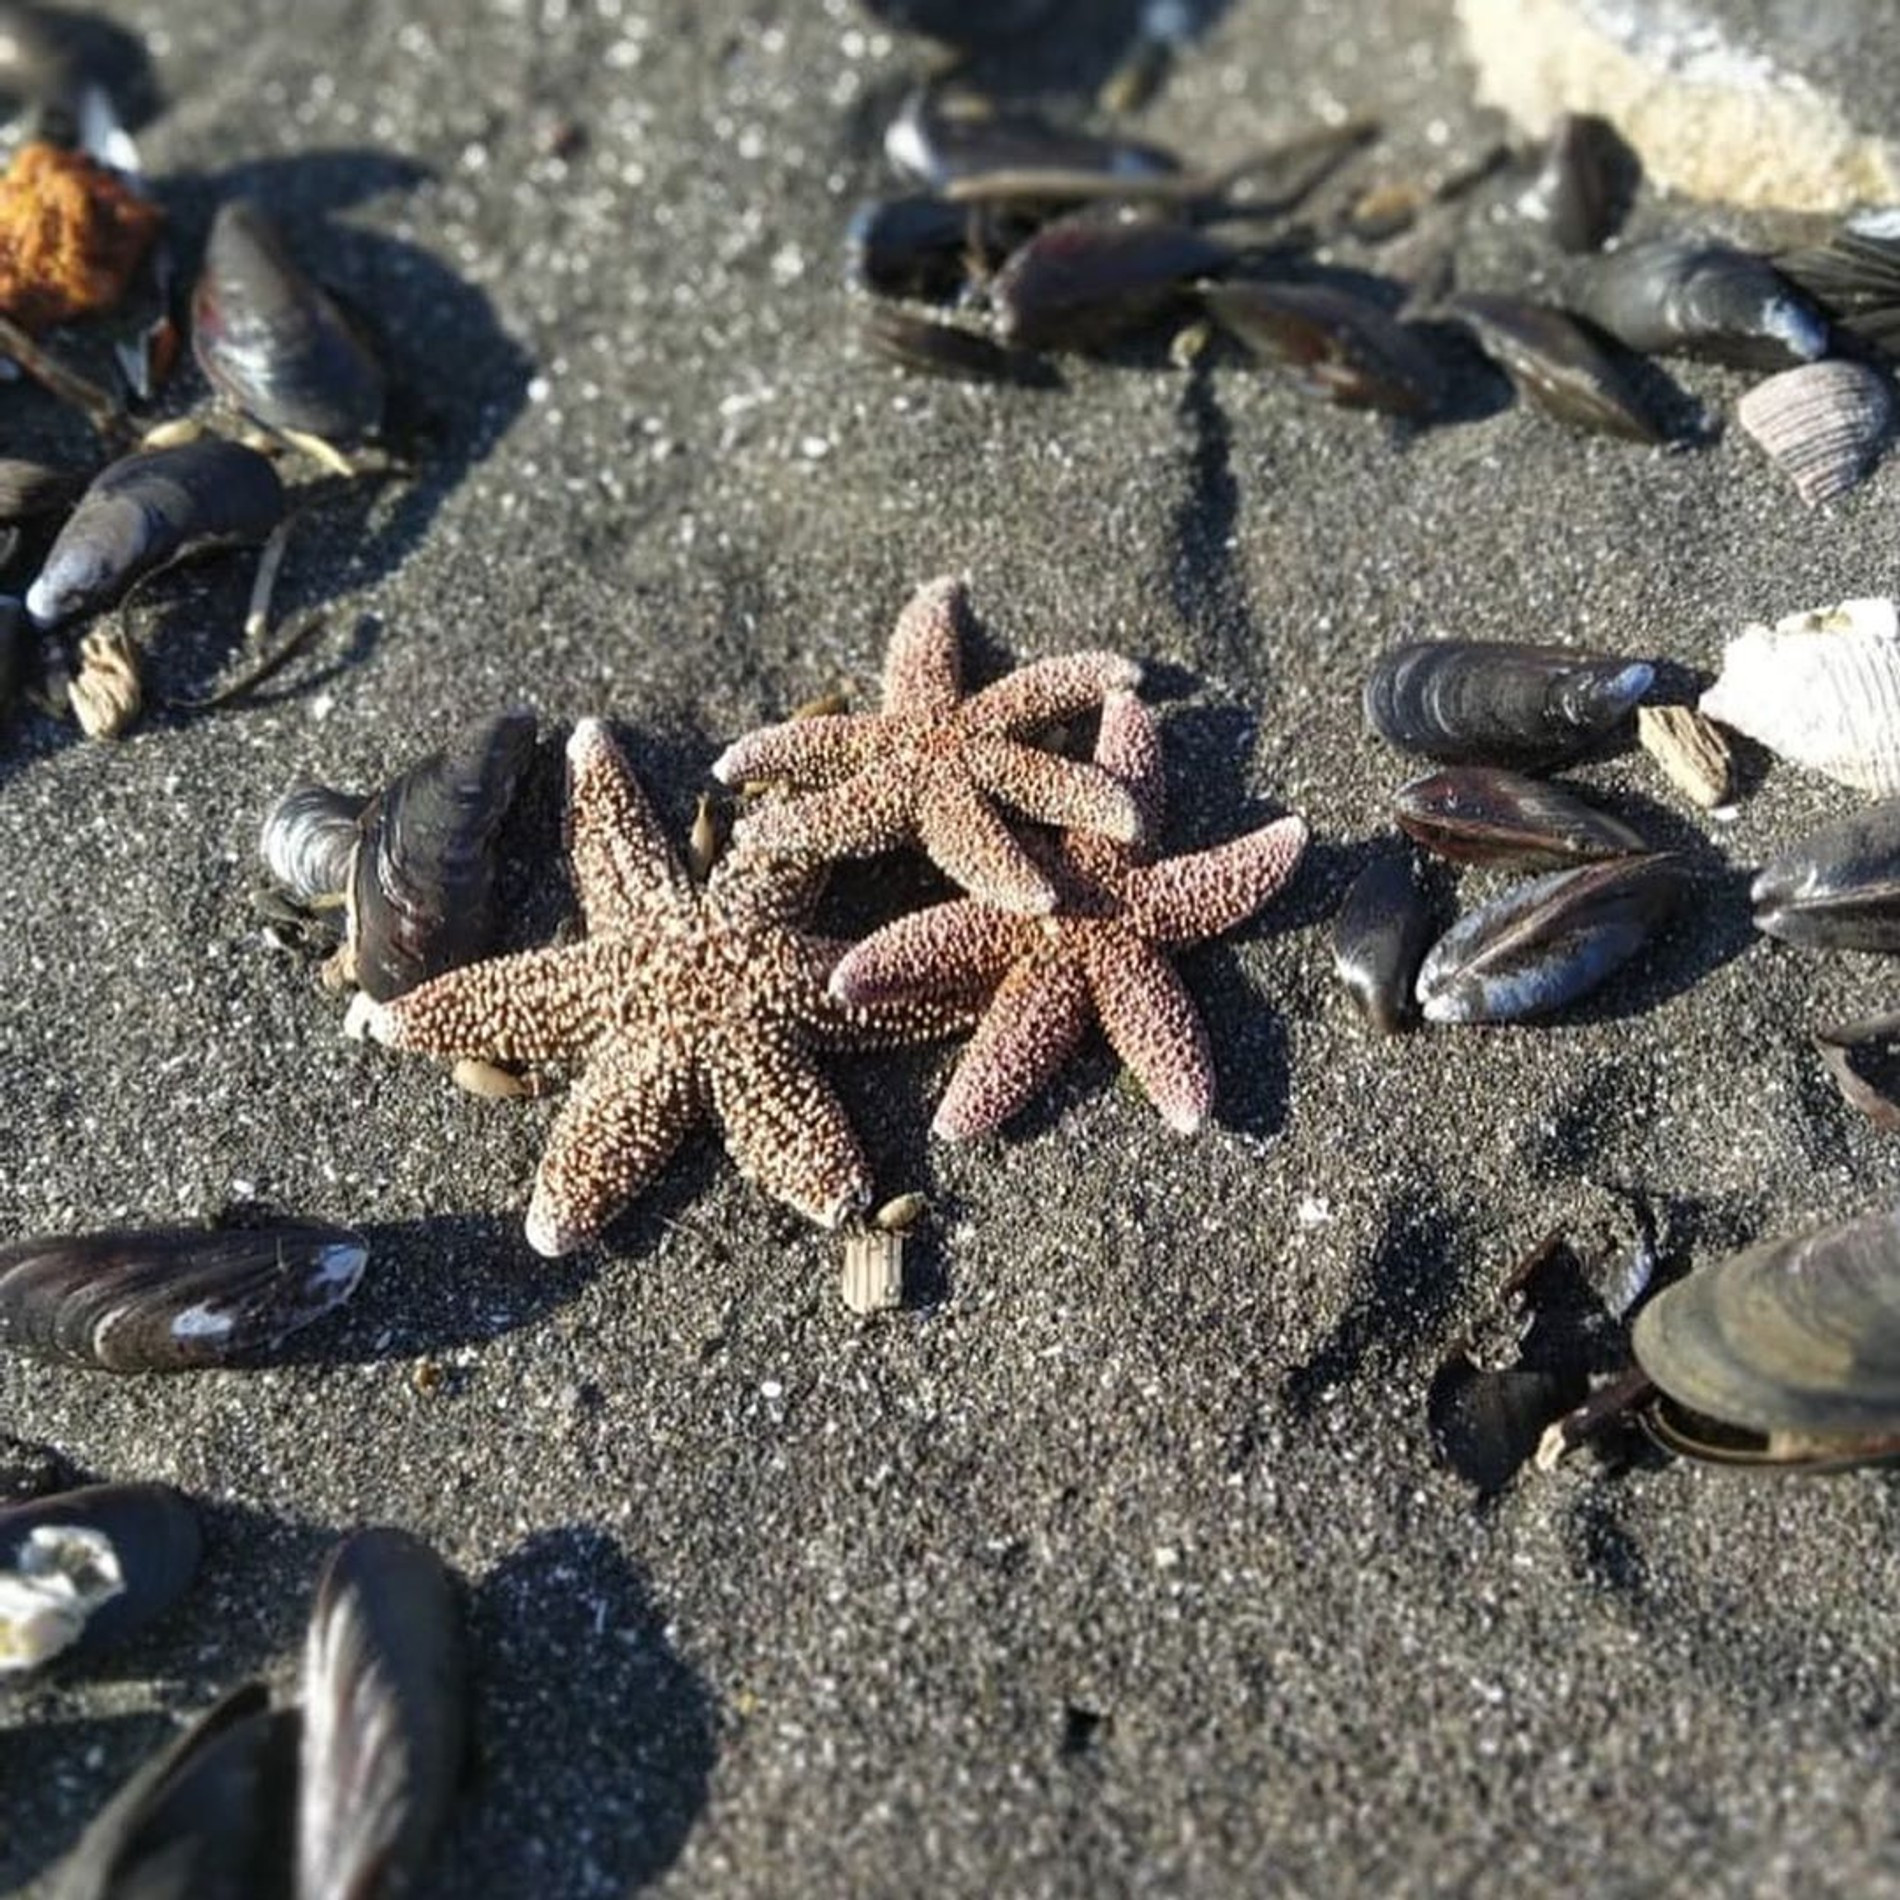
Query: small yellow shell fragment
{"type": "Point", "coordinates": [900, 1214]}
{"type": "Point", "coordinates": [873, 1279]}
{"type": "Point", "coordinates": [106, 693]}
{"type": "Point", "coordinates": [1691, 750]}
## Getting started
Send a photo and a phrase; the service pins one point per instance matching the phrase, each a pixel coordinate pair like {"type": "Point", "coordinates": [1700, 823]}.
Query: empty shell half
{"type": "Point", "coordinates": [1822, 424]}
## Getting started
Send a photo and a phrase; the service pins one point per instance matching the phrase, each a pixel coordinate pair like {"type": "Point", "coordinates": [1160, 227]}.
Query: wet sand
{"type": "Point", "coordinates": [1119, 1562]}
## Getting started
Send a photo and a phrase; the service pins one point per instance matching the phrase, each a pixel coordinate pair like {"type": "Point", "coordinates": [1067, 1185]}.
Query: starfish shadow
{"type": "Point", "coordinates": [596, 1739]}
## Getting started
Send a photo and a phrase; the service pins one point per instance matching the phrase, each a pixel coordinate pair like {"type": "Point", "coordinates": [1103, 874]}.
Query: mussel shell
{"type": "Point", "coordinates": [149, 509]}
{"type": "Point", "coordinates": [1588, 177]}
{"type": "Point", "coordinates": [1557, 366]}
{"type": "Point", "coordinates": [30, 489]}
{"type": "Point", "coordinates": [933, 348]}
{"type": "Point", "coordinates": [1084, 280]}
{"type": "Point", "coordinates": [1838, 888]}
{"type": "Point", "coordinates": [1681, 296]}
{"type": "Point", "coordinates": [1545, 943]}
{"type": "Point", "coordinates": [925, 246]}
{"type": "Point", "coordinates": [17, 641]}
{"type": "Point", "coordinates": [938, 138]}
{"type": "Point", "coordinates": [1798, 1336]}
{"type": "Point", "coordinates": [1476, 814]}
{"type": "Point", "coordinates": [422, 882]}
{"type": "Point", "coordinates": [1821, 424]}
{"type": "Point", "coordinates": [207, 1818]}
{"type": "Point", "coordinates": [307, 840]}
{"type": "Point", "coordinates": [1380, 935]}
{"type": "Point", "coordinates": [1339, 346]}
{"type": "Point", "coordinates": [1855, 275]}
{"type": "Point", "coordinates": [170, 1299]}
{"type": "Point", "coordinates": [1506, 703]}
{"type": "Point", "coordinates": [275, 344]}
{"type": "Point", "coordinates": [385, 1716]}
{"type": "Point", "coordinates": [139, 1543]}
{"type": "Point", "coordinates": [1863, 1057]}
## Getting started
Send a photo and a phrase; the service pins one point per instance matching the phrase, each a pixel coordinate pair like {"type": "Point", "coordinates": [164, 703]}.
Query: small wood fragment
{"type": "Point", "coordinates": [1692, 750]}
{"type": "Point", "coordinates": [873, 1279]}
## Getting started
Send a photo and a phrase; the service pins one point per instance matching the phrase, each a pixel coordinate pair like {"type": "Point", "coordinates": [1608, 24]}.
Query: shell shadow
{"type": "Point", "coordinates": [1402, 1294]}
{"type": "Point", "coordinates": [596, 1739]}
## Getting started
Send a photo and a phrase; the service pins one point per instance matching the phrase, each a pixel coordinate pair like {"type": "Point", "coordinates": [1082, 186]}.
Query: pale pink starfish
{"type": "Point", "coordinates": [682, 1002]}
{"type": "Point", "coordinates": [926, 768]}
{"type": "Point", "coordinates": [1100, 955]}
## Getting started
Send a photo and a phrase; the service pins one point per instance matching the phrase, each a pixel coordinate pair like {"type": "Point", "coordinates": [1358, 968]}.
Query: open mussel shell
{"type": "Point", "coordinates": [1855, 275]}
{"type": "Point", "coordinates": [1684, 296]}
{"type": "Point", "coordinates": [147, 510]}
{"type": "Point", "coordinates": [1476, 814]}
{"type": "Point", "coordinates": [1863, 1057]}
{"type": "Point", "coordinates": [1821, 424]}
{"type": "Point", "coordinates": [273, 343]}
{"type": "Point", "coordinates": [81, 1571]}
{"type": "Point", "coordinates": [1839, 887]}
{"type": "Point", "coordinates": [1558, 366]}
{"type": "Point", "coordinates": [1380, 935]}
{"type": "Point", "coordinates": [1501, 703]}
{"type": "Point", "coordinates": [1821, 689]}
{"type": "Point", "coordinates": [422, 883]}
{"type": "Point", "coordinates": [307, 840]}
{"type": "Point", "coordinates": [1338, 346]}
{"type": "Point", "coordinates": [1791, 1349]}
{"type": "Point", "coordinates": [171, 1299]}
{"type": "Point", "coordinates": [385, 1717]}
{"type": "Point", "coordinates": [942, 136]}
{"type": "Point", "coordinates": [207, 1818]}
{"type": "Point", "coordinates": [1545, 943]}
{"type": "Point", "coordinates": [1085, 280]}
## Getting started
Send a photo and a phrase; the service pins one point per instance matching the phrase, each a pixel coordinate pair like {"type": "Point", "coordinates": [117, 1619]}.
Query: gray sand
{"type": "Point", "coordinates": [1122, 1563]}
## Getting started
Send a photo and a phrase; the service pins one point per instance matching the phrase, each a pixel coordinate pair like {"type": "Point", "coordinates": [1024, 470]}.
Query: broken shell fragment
{"type": "Point", "coordinates": [385, 1717]}
{"type": "Point", "coordinates": [83, 1570]}
{"type": "Point", "coordinates": [1476, 814]}
{"type": "Point", "coordinates": [1338, 346]}
{"type": "Point", "coordinates": [1558, 366]}
{"type": "Point", "coordinates": [1864, 1060]}
{"type": "Point", "coordinates": [1380, 936]}
{"type": "Point", "coordinates": [107, 693]}
{"type": "Point", "coordinates": [1822, 424]}
{"type": "Point", "coordinates": [422, 882]}
{"type": "Point", "coordinates": [1545, 943]}
{"type": "Point", "coordinates": [873, 1277]}
{"type": "Point", "coordinates": [208, 1817]}
{"type": "Point", "coordinates": [1691, 750]}
{"type": "Point", "coordinates": [1683, 296]}
{"type": "Point", "coordinates": [1838, 888]}
{"type": "Point", "coordinates": [171, 1299]}
{"type": "Point", "coordinates": [307, 839]}
{"type": "Point", "coordinates": [1788, 1353]}
{"type": "Point", "coordinates": [1854, 276]}
{"type": "Point", "coordinates": [1821, 689]}
{"type": "Point", "coordinates": [1501, 703]}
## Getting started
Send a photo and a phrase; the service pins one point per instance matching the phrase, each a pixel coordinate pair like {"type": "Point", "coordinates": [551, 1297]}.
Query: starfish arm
{"type": "Point", "coordinates": [1152, 1024]}
{"type": "Point", "coordinates": [958, 949]}
{"type": "Point", "coordinates": [825, 749]}
{"type": "Point", "coordinates": [970, 844]}
{"type": "Point", "coordinates": [885, 1022]}
{"type": "Point", "coordinates": [921, 669]}
{"type": "Point", "coordinates": [622, 861]}
{"type": "Point", "coordinates": [1128, 745]}
{"type": "Point", "coordinates": [1048, 691]}
{"type": "Point", "coordinates": [1182, 900]}
{"type": "Point", "coordinates": [1054, 790]}
{"type": "Point", "coordinates": [618, 1127]}
{"type": "Point", "coordinates": [535, 1007]}
{"type": "Point", "coordinates": [786, 1130]}
{"type": "Point", "coordinates": [871, 814]}
{"type": "Point", "coordinates": [1029, 1031]}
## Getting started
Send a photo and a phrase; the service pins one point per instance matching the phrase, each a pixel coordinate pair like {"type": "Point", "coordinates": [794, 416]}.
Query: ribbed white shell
{"type": "Point", "coordinates": [1821, 689]}
{"type": "Point", "coordinates": [1822, 424]}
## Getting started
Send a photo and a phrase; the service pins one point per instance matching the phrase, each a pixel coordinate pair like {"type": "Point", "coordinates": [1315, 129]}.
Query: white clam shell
{"type": "Point", "coordinates": [1820, 689]}
{"type": "Point", "coordinates": [1822, 424]}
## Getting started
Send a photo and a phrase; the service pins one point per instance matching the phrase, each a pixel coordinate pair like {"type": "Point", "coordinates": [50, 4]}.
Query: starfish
{"type": "Point", "coordinates": [926, 768]}
{"type": "Point", "coordinates": [1099, 955]}
{"type": "Point", "coordinates": [681, 1002]}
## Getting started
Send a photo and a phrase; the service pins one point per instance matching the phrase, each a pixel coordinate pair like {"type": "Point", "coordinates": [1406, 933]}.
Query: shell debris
{"type": "Point", "coordinates": [1822, 424]}
{"type": "Point", "coordinates": [873, 1278]}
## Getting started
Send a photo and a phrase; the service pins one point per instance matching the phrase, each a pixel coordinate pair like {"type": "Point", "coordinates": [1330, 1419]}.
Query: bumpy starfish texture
{"type": "Point", "coordinates": [1100, 955]}
{"type": "Point", "coordinates": [681, 1002]}
{"type": "Point", "coordinates": [925, 769]}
